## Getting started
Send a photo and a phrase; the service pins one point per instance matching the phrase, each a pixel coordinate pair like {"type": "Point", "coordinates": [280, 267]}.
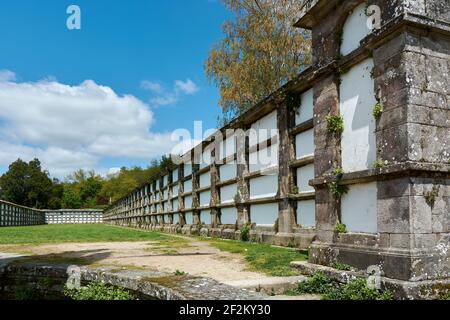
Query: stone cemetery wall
{"type": "Point", "coordinates": [358, 149]}
{"type": "Point", "coordinates": [12, 215]}
{"type": "Point", "coordinates": [82, 216]}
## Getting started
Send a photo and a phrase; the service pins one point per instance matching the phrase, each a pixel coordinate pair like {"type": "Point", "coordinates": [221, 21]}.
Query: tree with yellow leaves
{"type": "Point", "coordinates": [260, 52]}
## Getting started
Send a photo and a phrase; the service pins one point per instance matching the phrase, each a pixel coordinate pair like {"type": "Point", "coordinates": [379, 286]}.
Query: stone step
{"type": "Point", "coordinates": [269, 286]}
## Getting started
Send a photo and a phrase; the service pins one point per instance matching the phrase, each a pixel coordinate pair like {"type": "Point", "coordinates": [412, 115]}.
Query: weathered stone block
{"type": "Point", "coordinates": [400, 240]}
{"type": "Point", "coordinates": [392, 144]}
{"type": "Point", "coordinates": [394, 188]}
{"type": "Point", "coordinates": [424, 241]}
{"type": "Point", "coordinates": [441, 215]}
{"type": "Point", "coordinates": [326, 216]}
{"type": "Point", "coordinates": [437, 75]}
{"type": "Point", "coordinates": [428, 143]}
{"type": "Point", "coordinates": [389, 49]}
{"type": "Point", "coordinates": [326, 160]}
{"type": "Point", "coordinates": [420, 215]}
{"type": "Point", "coordinates": [430, 114]}
{"type": "Point", "coordinates": [393, 215]}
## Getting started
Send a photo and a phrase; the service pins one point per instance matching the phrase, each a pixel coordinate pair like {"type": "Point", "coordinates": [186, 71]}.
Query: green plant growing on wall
{"type": "Point", "coordinates": [293, 101]}
{"type": "Point", "coordinates": [99, 291]}
{"type": "Point", "coordinates": [340, 228]}
{"type": "Point", "coordinates": [335, 124]}
{"type": "Point", "coordinates": [372, 73]}
{"type": "Point", "coordinates": [342, 266]}
{"type": "Point", "coordinates": [339, 38]}
{"type": "Point", "coordinates": [445, 296]}
{"type": "Point", "coordinates": [245, 233]}
{"type": "Point", "coordinates": [24, 292]}
{"type": "Point", "coordinates": [331, 289]}
{"type": "Point", "coordinates": [343, 71]}
{"type": "Point", "coordinates": [338, 190]}
{"type": "Point", "coordinates": [378, 110]}
{"type": "Point", "coordinates": [358, 290]}
{"type": "Point", "coordinates": [338, 172]}
{"type": "Point", "coordinates": [378, 164]}
{"type": "Point", "coordinates": [295, 190]}
{"type": "Point", "coordinates": [430, 196]}
{"type": "Point", "coordinates": [366, 8]}
{"type": "Point", "coordinates": [319, 283]}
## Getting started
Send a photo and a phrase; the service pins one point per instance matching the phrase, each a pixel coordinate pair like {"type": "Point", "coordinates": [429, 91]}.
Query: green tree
{"type": "Point", "coordinates": [82, 189]}
{"type": "Point", "coordinates": [27, 184]}
{"type": "Point", "coordinates": [71, 197]}
{"type": "Point", "coordinates": [260, 52]}
{"type": "Point", "coordinates": [118, 185]}
{"type": "Point", "coordinates": [57, 194]}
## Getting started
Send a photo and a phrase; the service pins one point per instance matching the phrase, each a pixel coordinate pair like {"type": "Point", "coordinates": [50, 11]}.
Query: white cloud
{"type": "Point", "coordinates": [151, 86]}
{"type": "Point", "coordinates": [165, 97]}
{"type": "Point", "coordinates": [71, 127]}
{"type": "Point", "coordinates": [6, 75]}
{"type": "Point", "coordinates": [113, 172]}
{"type": "Point", "coordinates": [187, 87]}
{"type": "Point", "coordinates": [166, 100]}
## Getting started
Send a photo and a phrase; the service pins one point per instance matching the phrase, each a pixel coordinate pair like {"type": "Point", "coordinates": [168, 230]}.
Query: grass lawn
{"type": "Point", "coordinates": [273, 261]}
{"type": "Point", "coordinates": [83, 233]}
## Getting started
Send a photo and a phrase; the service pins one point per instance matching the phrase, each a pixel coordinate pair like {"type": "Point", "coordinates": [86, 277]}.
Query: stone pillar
{"type": "Point", "coordinates": [215, 178]}
{"type": "Point", "coordinates": [327, 156]}
{"type": "Point", "coordinates": [286, 153]}
{"type": "Point", "coordinates": [196, 158]}
{"type": "Point", "coordinates": [180, 194]}
{"type": "Point", "coordinates": [242, 150]}
{"type": "Point", "coordinates": [411, 79]}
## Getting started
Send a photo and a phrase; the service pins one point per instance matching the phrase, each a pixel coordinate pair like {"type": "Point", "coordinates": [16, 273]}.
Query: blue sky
{"type": "Point", "coordinates": [151, 50]}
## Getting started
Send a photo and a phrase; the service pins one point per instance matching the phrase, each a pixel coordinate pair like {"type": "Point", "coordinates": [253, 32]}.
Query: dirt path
{"type": "Point", "coordinates": [196, 258]}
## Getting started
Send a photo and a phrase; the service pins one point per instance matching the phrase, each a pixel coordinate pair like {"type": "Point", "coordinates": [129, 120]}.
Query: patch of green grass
{"type": "Point", "coordinates": [97, 291]}
{"type": "Point", "coordinates": [170, 246]}
{"type": "Point", "coordinates": [270, 260]}
{"type": "Point", "coordinates": [83, 233]}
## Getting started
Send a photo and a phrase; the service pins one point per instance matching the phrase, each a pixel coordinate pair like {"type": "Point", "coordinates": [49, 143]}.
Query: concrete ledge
{"type": "Point", "coordinates": [269, 286]}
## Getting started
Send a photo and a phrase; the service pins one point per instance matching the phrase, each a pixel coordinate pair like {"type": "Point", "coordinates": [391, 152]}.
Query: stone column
{"type": "Point", "coordinates": [286, 153]}
{"type": "Point", "coordinates": [243, 195]}
{"type": "Point", "coordinates": [180, 194]}
{"type": "Point", "coordinates": [327, 156]}
{"type": "Point", "coordinates": [215, 178]}
{"type": "Point", "coordinates": [196, 158]}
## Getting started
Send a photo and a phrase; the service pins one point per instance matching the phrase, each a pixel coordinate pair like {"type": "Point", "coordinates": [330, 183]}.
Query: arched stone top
{"type": "Point", "coordinates": [355, 29]}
